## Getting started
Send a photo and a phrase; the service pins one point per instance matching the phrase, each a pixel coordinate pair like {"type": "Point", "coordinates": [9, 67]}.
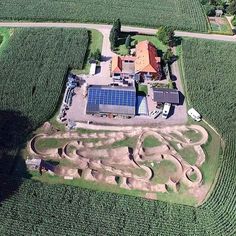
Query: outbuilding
{"type": "Point", "coordinates": [93, 67]}
{"type": "Point", "coordinates": [166, 95]}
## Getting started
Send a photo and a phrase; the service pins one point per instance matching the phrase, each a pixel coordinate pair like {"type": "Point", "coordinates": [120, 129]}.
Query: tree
{"type": "Point", "coordinates": [128, 42]}
{"type": "Point", "coordinates": [232, 7]}
{"type": "Point", "coordinates": [113, 38]}
{"type": "Point", "coordinates": [166, 35]}
{"type": "Point", "coordinates": [115, 33]}
{"type": "Point", "coordinates": [167, 56]}
{"type": "Point", "coordinates": [234, 21]}
{"type": "Point", "coordinates": [96, 55]}
{"type": "Point", "coordinates": [117, 26]}
{"type": "Point", "coordinates": [210, 10]}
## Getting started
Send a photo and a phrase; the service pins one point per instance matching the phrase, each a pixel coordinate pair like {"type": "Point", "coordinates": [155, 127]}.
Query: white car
{"type": "Point", "coordinates": [166, 110]}
{"type": "Point", "coordinates": [154, 114]}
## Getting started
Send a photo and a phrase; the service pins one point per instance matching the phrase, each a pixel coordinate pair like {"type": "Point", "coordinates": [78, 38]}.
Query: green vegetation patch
{"type": "Point", "coordinates": [95, 43]}
{"type": "Point", "coordinates": [162, 171]}
{"type": "Point", "coordinates": [127, 142]}
{"type": "Point", "coordinates": [152, 13]}
{"type": "Point", "coordinates": [4, 37]}
{"type": "Point", "coordinates": [189, 155]}
{"type": "Point", "coordinates": [222, 26]}
{"type": "Point", "coordinates": [192, 135]}
{"type": "Point", "coordinates": [48, 143]}
{"type": "Point", "coordinates": [193, 177]}
{"type": "Point", "coordinates": [135, 38]}
{"type": "Point", "coordinates": [142, 89]}
{"type": "Point", "coordinates": [214, 97]}
{"type": "Point", "coordinates": [151, 141]}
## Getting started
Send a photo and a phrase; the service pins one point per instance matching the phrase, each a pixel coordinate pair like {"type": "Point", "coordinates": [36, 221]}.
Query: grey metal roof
{"type": "Point", "coordinates": [166, 95]}
{"type": "Point", "coordinates": [115, 100]}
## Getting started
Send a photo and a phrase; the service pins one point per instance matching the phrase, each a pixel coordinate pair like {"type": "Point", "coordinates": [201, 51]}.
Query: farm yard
{"type": "Point", "coordinates": [160, 12]}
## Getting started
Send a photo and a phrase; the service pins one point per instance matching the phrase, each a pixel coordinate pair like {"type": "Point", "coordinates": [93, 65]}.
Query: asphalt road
{"type": "Point", "coordinates": [105, 28]}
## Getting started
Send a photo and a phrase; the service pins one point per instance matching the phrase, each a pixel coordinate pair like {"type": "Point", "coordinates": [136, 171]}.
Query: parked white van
{"type": "Point", "coordinates": [194, 114]}
{"type": "Point", "coordinates": [166, 110]}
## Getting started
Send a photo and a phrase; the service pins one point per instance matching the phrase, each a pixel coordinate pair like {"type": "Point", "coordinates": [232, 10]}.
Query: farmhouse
{"type": "Point", "coordinates": [108, 100]}
{"type": "Point", "coordinates": [145, 65]}
{"type": "Point", "coordinates": [165, 95]}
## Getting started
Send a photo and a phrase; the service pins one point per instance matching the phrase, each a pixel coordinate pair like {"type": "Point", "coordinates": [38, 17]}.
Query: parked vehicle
{"type": "Point", "coordinates": [194, 114]}
{"type": "Point", "coordinates": [154, 114]}
{"type": "Point", "coordinates": [166, 110]}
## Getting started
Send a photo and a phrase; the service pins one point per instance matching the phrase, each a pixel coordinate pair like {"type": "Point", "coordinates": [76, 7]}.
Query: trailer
{"type": "Point", "coordinates": [194, 114]}
{"type": "Point", "coordinates": [93, 67]}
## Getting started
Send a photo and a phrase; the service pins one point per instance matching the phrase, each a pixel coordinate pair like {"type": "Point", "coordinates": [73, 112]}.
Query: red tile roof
{"type": "Point", "coordinates": [146, 58]}
{"type": "Point", "coordinates": [116, 64]}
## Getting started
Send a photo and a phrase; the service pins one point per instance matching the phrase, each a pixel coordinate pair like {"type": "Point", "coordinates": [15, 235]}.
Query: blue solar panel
{"type": "Point", "coordinates": [111, 97]}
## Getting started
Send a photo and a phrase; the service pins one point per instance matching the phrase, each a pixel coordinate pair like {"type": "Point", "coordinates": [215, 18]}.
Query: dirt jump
{"type": "Point", "coordinates": [94, 157]}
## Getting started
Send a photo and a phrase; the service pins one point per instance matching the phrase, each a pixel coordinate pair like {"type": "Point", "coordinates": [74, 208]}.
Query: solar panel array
{"type": "Point", "coordinates": [116, 100]}
{"type": "Point", "coordinates": [111, 97]}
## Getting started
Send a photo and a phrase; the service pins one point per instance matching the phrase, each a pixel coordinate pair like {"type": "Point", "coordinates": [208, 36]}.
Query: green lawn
{"type": "Point", "coordinates": [214, 151]}
{"type": "Point", "coordinates": [191, 134]}
{"type": "Point", "coordinates": [143, 89]}
{"type": "Point", "coordinates": [47, 143]}
{"type": "Point", "coordinates": [122, 50]}
{"type": "Point", "coordinates": [4, 37]}
{"type": "Point", "coordinates": [151, 141]}
{"type": "Point", "coordinates": [162, 171]}
{"type": "Point", "coordinates": [95, 42]}
{"type": "Point", "coordinates": [153, 39]}
{"type": "Point", "coordinates": [189, 155]}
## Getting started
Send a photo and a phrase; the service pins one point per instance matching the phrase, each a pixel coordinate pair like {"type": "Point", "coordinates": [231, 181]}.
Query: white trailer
{"type": "Point", "coordinates": [194, 114]}
{"type": "Point", "coordinates": [93, 67]}
{"type": "Point", "coordinates": [166, 110]}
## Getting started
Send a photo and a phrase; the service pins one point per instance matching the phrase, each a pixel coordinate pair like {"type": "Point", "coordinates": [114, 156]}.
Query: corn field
{"type": "Point", "coordinates": [181, 14]}
{"type": "Point", "coordinates": [33, 68]}
{"type": "Point", "coordinates": [42, 209]}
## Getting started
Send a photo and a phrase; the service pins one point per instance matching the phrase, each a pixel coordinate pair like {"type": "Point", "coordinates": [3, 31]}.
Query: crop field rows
{"type": "Point", "coordinates": [40, 209]}
{"type": "Point", "coordinates": [208, 76]}
{"type": "Point", "coordinates": [182, 14]}
{"type": "Point", "coordinates": [34, 86]}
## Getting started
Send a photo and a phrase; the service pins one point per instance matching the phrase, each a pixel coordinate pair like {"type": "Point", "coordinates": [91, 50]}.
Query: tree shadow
{"type": "Point", "coordinates": [122, 37]}
{"type": "Point", "coordinates": [172, 111]}
{"type": "Point", "coordinates": [14, 133]}
{"type": "Point", "coordinates": [177, 41]}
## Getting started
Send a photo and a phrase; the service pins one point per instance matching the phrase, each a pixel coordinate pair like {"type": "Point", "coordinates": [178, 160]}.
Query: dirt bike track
{"type": "Point", "coordinates": [130, 168]}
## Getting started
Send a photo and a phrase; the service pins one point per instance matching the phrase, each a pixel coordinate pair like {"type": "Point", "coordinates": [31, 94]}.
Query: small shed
{"type": "Point", "coordinates": [219, 13]}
